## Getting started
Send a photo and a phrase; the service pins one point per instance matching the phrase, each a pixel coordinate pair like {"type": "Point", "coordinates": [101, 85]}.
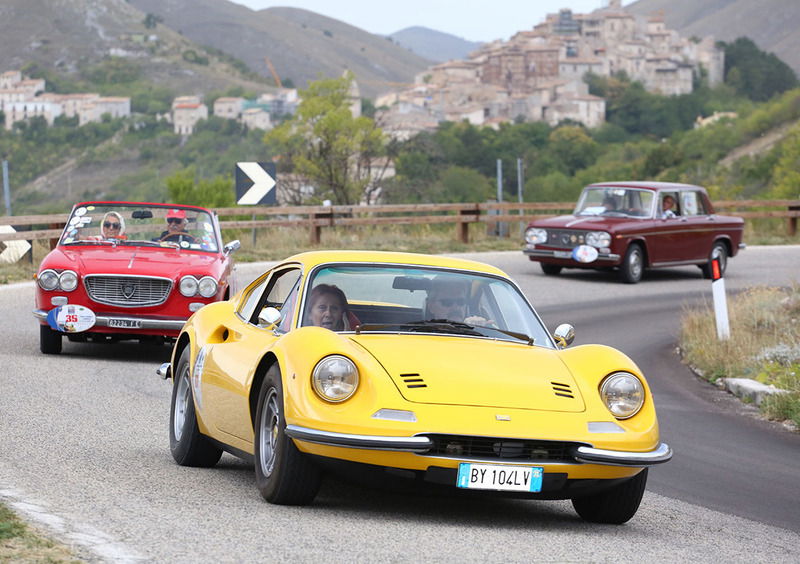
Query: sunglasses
{"type": "Point", "coordinates": [174, 220]}
{"type": "Point", "coordinates": [109, 225]}
{"type": "Point", "coordinates": [450, 302]}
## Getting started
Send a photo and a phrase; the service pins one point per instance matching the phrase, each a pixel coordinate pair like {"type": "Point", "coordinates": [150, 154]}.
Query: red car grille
{"type": "Point", "coordinates": [127, 291]}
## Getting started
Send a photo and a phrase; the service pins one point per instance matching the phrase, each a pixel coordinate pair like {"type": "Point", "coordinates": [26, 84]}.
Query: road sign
{"type": "Point", "coordinates": [12, 251]}
{"type": "Point", "coordinates": [255, 184]}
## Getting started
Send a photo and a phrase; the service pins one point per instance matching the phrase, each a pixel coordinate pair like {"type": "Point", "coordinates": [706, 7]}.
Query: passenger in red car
{"type": "Point", "coordinates": [668, 207]}
{"type": "Point", "coordinates": [113, 226]}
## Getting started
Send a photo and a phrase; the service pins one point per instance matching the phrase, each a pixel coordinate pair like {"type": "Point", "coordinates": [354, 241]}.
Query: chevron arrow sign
{"type": "Point", "coordinates": [255, 184]}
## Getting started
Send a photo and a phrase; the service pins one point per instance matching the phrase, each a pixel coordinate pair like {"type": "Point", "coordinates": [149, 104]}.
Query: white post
{"type": "Point", "coordinates": [720, 302]}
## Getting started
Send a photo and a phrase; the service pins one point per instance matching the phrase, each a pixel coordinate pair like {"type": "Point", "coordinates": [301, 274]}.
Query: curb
{"type": "Point", "coordinates": [749, 390]}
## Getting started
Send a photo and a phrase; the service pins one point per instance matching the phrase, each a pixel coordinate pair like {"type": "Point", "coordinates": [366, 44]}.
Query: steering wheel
{"type": "Point", "coordinates": [178, 238]}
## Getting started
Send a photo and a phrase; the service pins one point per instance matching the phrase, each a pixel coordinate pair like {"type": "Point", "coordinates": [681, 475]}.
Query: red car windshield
{"type": "Point", "coordinates": [141, 225]}
{"type": "Point", "coordinates": [615, 201]}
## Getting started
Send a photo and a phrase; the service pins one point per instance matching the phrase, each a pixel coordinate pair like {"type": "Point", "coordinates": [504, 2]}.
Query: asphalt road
{"type": "Point", "coordinates": [84, 452]}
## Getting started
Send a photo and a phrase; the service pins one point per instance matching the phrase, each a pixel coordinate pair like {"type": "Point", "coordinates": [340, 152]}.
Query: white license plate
{"type": "Point", "coordinates": [562, 254]}
{"type": "Point", "coordinates": [500, 477]}
{"type": "Point", "coordinates": [125, 323]}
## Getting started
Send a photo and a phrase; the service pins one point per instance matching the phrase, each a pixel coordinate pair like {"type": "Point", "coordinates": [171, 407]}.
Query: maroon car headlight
{"type": "Point", "coordinates": [47, 279]}
{"type": "Point", "coordinates": [623, 394]}
{"type": "Point", "coordinates": [188, 286]}
{"type": "Point", "coordinates": [598, 239]}
{"type": "Point", "coordinates": [335, 378]}
{"type": "Point", "coordinates": [68, 280]}
{"type": "Point", "coordinates": [535, 236]}
{"type": "Point", "coordinates": [207, 287]}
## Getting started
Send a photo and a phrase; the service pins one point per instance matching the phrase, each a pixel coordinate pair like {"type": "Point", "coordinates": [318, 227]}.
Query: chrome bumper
{"type": "Point", "coordinates": [542, 253]}
{"type": "Point", "coordinates": [663, 453]}
{"type": "Point", "coordinates": [143, 322]}
{"type": "Point", "coordinates": [421, 445]}
{"type": "Point", "coordinates": [164, 370]}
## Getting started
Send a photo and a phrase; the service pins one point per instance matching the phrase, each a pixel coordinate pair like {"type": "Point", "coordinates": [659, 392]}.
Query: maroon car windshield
{"type": "Point", "coordinates": [615, 201]}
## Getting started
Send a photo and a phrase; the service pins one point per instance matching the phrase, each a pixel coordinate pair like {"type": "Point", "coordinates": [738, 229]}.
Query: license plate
{"type": "Point", "coordinates": [562, 254]}
{"type": "Point", "coordinates": [125, 323]}
{"type": "Point", "coordinates": [500, 477]}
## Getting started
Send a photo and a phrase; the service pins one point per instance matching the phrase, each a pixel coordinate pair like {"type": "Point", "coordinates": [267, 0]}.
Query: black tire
{"type": "Point", "coordinates": [632, 267]}
{"type": "Point", "coordinates": [718, 250]}
{"type": "Point", "coordinates": [550, 269]}
{"type": "Point", "coordinates": [614, 506]}
{"type": "Point", "coordinates": [188, 446]}
{"type": "Point", "coordinates": [49, 340]}
{"type": "Point", "coordinates": [284, 475]}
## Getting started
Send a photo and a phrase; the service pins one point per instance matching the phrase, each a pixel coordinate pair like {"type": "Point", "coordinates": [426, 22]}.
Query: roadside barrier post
{"type": "Point", "coordinates": [720, 301]}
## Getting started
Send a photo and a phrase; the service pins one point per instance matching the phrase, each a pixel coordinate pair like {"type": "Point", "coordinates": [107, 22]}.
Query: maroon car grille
{"type": "Point", "coordinates": [565, 238]}
{"type": "Point", "coordinates": [491, 448]}
{"type": "Point", "coordinates": [127, 291]}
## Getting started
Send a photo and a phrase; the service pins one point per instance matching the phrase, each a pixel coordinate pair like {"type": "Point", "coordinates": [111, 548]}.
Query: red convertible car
{"type": "Point", "coordinates": [632, 226]}
{"type": "Point", "coordinates": [128, 270]}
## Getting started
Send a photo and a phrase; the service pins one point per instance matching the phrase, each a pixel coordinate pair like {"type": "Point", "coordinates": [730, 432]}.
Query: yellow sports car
{"type": "Point", "coordinates": [430, 367]}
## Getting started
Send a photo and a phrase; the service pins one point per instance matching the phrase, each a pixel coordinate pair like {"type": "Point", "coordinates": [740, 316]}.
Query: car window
{"type": "Point", "coordinates": [615, 201]}
{"type": "Point", "coordinates": [142, 225]}
{"type": "Point", "coordinates": [279, 287]}
{"type": "Point", "coordinates": [692, 203]}
{"type": "Point", "coordinates": [407, 299]}
{"type": "Point", "coordinates": [248, 305]}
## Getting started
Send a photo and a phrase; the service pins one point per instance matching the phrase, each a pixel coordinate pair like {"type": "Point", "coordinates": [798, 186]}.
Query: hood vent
{"type": "Point", "coordinates": [562, 390]}
{"type": "Point", "coordinates": [413, 381]}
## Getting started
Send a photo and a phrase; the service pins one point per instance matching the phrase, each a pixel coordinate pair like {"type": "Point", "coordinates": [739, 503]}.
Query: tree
{"type": "Point", "coordinates": [213, 193]}
{"type": "Point", "coordinates": [786, 177]}
{"type": "Point", "coordinates": [754, 73]}
{"type": "Point", "coordinates": [324, 143]}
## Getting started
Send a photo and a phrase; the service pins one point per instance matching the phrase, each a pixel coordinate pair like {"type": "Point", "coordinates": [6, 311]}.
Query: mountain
{"type": "Point", "coordinates": [434, 45]}
{"type": "Point", "coordinates": [772, 24]}
{"type": "Point", "coordinates": [301, 45]}
{"type": "Point", "coordinates": [66, 35]}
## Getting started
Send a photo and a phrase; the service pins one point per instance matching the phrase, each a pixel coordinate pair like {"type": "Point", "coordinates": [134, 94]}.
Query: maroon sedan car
{"type": "Point", "coordinates": [633, 226]}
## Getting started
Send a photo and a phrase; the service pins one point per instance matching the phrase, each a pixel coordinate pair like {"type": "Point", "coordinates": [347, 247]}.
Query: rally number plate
{"type": "Point", "coordinates": [125, 323]}
{"type": "Point", "coordinates": [500, 477]}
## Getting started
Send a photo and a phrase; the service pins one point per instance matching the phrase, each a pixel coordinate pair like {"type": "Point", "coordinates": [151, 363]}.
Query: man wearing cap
{"type": "Point", "coordinates": [176, 227]}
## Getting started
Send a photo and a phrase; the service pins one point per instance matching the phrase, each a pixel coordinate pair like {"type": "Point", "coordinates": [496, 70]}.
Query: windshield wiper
{"type": "Point", "coordinates": [442, 326]}
{"type": "Point", "coordinates": [91, 242]}
{"type": "Point", "coordinates": [423, 325]}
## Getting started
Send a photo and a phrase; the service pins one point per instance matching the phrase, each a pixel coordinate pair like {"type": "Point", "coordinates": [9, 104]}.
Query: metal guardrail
{"type": "Point", "coordinates": [315, 218]}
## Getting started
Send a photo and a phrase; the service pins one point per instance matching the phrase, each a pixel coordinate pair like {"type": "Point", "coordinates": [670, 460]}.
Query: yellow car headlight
{"type": "Point", "coordinates": [623, 394]}
{"type": "Point", "coordinates": [335, 378]}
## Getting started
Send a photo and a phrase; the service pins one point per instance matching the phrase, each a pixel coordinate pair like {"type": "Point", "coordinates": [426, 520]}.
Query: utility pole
{"type": "Point", "coordinates": [520, 184]}
{"type": "Point", "coordinates": [6, 187]}
{"type": "Point", "coordinates": [499, 230]}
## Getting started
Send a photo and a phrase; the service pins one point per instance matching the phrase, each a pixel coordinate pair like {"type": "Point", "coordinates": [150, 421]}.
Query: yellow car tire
{"type": "Point", "coordinates": [188, 446]}
{"type": "Point", "coordinates": [614, 506]}
{"type": "Point", "coordinates": [284, 475]}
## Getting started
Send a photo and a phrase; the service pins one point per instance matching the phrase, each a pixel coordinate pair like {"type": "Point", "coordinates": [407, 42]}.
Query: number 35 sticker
{"type": "Point", "coordinates": [71, 318]}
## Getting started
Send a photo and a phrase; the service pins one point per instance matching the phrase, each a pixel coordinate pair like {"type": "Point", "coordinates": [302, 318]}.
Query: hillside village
{"type": "Point", "coordinates": [23, 98]}
{"type": "Point", "coordinates": [537, 75]}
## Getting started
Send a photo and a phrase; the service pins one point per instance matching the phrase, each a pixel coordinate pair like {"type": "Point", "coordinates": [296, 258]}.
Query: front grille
{"type": "Point", "coordinates": [565, 238]}
{"type": "Point", "coordinates": [500, 449]}
{"type": "Point", "coordinates": [127, 291]}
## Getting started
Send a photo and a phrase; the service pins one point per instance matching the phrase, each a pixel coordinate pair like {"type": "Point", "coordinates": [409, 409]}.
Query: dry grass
{"type": "Point", "coordinates": [765, 332]}
{"type": "Point", "coordinates": [20, 543]}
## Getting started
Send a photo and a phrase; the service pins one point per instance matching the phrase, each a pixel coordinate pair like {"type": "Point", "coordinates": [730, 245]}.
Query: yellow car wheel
{"type": "Point", "coordinates": [188, 446]}
{"type": "Point", "coordinates": [614, 506]}
{"type": "Point", "coordinates": [284, 475]}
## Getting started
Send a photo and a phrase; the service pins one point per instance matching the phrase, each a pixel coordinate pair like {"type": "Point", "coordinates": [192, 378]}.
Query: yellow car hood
{"type": "Point", "coordinates": [475, 372]}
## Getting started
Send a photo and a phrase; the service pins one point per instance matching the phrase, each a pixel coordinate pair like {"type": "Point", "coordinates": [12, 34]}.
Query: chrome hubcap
{"type": "Point", "coordinates": [269, 430]}
{"type": "Point", "coordinates": [182, 398]}
{"type": "Point", "coordinates": [636, 263]}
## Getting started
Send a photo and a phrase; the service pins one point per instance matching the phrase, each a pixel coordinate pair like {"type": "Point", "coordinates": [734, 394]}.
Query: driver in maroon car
{"type": "Point", "coordinates": [176, 227]}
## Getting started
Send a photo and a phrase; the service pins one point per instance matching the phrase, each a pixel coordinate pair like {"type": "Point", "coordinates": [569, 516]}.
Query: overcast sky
{"type": "Point", "coordinates": [474, 20]}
